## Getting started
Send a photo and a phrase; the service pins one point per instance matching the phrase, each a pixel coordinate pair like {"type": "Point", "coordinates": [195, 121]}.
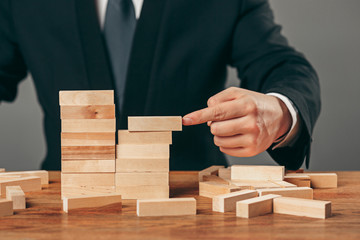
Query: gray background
{"type": "Point", "coordinates": [327, 31]}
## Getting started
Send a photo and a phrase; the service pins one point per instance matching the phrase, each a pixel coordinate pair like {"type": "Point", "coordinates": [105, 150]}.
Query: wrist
{"type": "Point", "coordinates": [285, 119]}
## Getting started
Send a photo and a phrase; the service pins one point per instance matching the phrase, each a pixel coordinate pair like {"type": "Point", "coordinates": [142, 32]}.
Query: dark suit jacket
{"type": "Point", "coordinates": [180, 54]}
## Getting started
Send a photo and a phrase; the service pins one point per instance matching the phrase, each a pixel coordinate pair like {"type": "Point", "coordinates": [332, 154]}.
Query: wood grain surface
{"type": "Point", "coordinates": [43, 218]}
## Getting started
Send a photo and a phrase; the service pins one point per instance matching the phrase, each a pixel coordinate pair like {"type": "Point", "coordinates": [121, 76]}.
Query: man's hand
{"type": "Point", "coordinates": [244, 123]}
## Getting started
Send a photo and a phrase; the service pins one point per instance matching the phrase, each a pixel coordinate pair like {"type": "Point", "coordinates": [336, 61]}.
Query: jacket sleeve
{"type": "Point", "coordinates": [266, 63]}
{"type": "Point", "coordinates": [12, 65]}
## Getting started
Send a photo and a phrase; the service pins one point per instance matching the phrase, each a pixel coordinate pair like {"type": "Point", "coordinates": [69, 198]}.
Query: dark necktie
{"type": "Point", "coordinates": [119, 28]}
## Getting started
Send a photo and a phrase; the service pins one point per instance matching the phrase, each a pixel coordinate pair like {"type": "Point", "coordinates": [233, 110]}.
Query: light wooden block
{"type": "Point", "coordinates": [212, 170]}
{"type": "Point", "coordinates": [227, 202]}
{"type": "Point", "coordinates": [127, 137]}
{"type": "Point", "coordinates": [87, 139]}
{"type": "Point", "coordinates": [88, 112]}
{"type": "Point", "coordinates": [88, 179]}
{"type": "Point", "coordinates": [142, 165]}
{"type": "Point", "coordinates": [213, 178]}
{"type": "Point", "coordinates": [212, 189]}
{"type": "Point", "coordinates": [298, 192]}
{"type": "Point", "coordinates": [112, 201]}
{"type": "Point", "coordinates": [302, 207]}
{"type": "Point", "coordinates": [300, 181]}
{"type": "Point", "coordinates": [2, 169]}
{"type": "Point", "coordinates": [166, 207]}
{"type": "Point", "coordinates": [42, 174]}
{"type": "Point", "coordinates": [283, 184]}
{"type": "Point", "coordinates": [103, 97]}
{"type": "Point", "coordinates": [143, 192]}
{"type": "Point", "coordinates": [138, 178]}
{"type": "Point", "coordinates": [143, 151]}
{"type": "Point", "coordinates": [17, 196]}
{"type": "Point", "coordinates": [71, 191]}
{"type": "Point", "coordinates": [6, 208]}
{"type": "Point", "coordinates": [90, 166]}
{"type": "Point", "coordinates": [254, 184]}
{"type": "Point", "coordinates": [300, 170]}
{"type": "Point", "coordinates": [225, 173]}
{"type": "Point", "coordinates": [88, 125]}
{"type": "Point", "coordinates": [320, 180]}
{"type": "Point", "coordinates": [158, 123]}
{"type": "Point", "coordinates": [27, 184]}
{"type": "Point", "coordinates": [254, 207]}
{"type": "Point", "coordinates": [88, 152]}
{"type": "Point", "coordinates": [250, 172]}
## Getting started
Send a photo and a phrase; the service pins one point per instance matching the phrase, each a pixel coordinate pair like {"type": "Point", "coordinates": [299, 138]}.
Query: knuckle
{"type": "Point", "coordinates": [218, 113]}
{"type": "Point", "coordinates": [211, 101]}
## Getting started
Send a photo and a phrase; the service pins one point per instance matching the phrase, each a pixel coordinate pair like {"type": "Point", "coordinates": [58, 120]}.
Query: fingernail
{"type": "Point", "coordinates": [187, 121]}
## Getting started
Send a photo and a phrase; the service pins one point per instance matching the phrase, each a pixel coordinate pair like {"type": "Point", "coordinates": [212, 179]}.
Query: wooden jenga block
{"type": "Point", "coordinates": [254, 184]}
{"type": "Point", "coordinates": [143, 192]}
{"type": "Point", "coordinates": [257, 206]}
{"type": "Point", "coordinates": [17, 196]}
{"type": "Point", "coordinates": [2, 169]}
{"type": "Point", "coordinates": [212, 189]}
{"type": "Point", "coordinates": [300, 181]}
{"type": "Point", "coordinates": [300, 170]}
{"type": "Point", "coordinates": [103, 97]}
{"type": "Point", "coordinates": [88, 152]}
{"type": "Point", "coordinates": [6, 208]}
{"type": "Point", "coordinates": [139, 178]}
{"type": "Point", "coordinates": [27, 184]}
{"type": "Point", "coordinates": [88, 179]}
{"type": "Point", "coordinates": [302, 207]}
{"type": "Point", "coordinates": [214, 178]}
{"type": "Point", "coordinates": [298, 192]}
{"type": "Point", "coordinates": [127, 137]}
{"type": "Point", "coordinates": [151, 124]}
{"type": "Point", "coordinates": [320, 180]}
{"type": "Point", "coordinates": [142, 151]}
{"type": "Point", "coordinates": [71, 191]}
{"type": "Point", "coordinates": [249, 172]}
{"type": "Point", "coordinates": [87, 139]}
{"type": "Point", "coordinates": [112, 201]}
{"type": "Point", "coordinates": [42, 174]}
{"type": "Point", "coordinates": [227, 202]}
{"type": "Point", "coordinates": [90, 166]}
{"type": "Point", "coordinates": [166, 207]}
{"type": "Point", "coordinates": [88, 112]}
{"type": "Point", "coordinates": [88, 125]}
{"type": "Point", "coordinates": [225, 173]}
{"type": "Point", "coordinates": [212, 170]}
{"type": "Point", "coordinates": [283, 184]}
{"type": "Point", "coordinates": [142, 165]}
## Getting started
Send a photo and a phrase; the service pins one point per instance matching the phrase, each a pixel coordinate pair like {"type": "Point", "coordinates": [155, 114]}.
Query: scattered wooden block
{"type": "Point", "coordinates": [143, 192]}
{"type": "Point", "coordinates": [213, 178]}
{"type": "Point", "coordinates": [225, 173]}
{"type": "Point", "coordinates": [17, 196]}
{"type": "Point", "coordinates": [283, 184]}
{"type": "Point", "coordinates": [88, 152]}
{"type": "Point", "coordinates": [71, 191]}
{"type": "Point", "coordinates": [126, 137]}
{"type": "Point", "coordinates": [212, 189]}
{"type": "Point", "coordinates": [88, 112]}
{"type": "Point", "coordinates": [227, 202]}
{"type": "Point", "coordinates": [142, 151]}
{"type": "Point", "coordinates": [212, 170]}
{"type": "Point", "coordinates": [2, 169]}
{"type": "Point", "coordinates": [42, 174]}
{"type": "Point", "coordinates": [298, 192]}
{"type": "Point", "coordinates": [90, 166]}
{"type": "Point", "coordinates": [112, 201]}
{"type": "Point", "coordinates": [88, 125]}
{"type": "Point", "coordinates": [254, 184]}
{"type": "Point", "coordinates": [87, 139]}
{"type": "Point", "coordinates": [104, 97]}
{"type": "Point", "coordinates": [320, 180]}
{"type": "Point", "coordinates": [302, 207]}
{"type": "Point", "coordinates": [300, 170]}
{"type": "Point", "coordinates": [151, 124]}
{"type": "Point", "coordinates": [250, 172]}
{"type": "Point", "coordinates": [166, 207]}
{"type": "Point", "coordinates": [6, 208]}
{"type": "Point", "coordinates": [88, 179]}
{"type": "Point", "coordinates": [138, 178]}
{"type": "Point", "coordinates": [27, 184]}
{"type": "Point", "coordinates": [254, 207]}
{"type": "Point", "coordinates": [300, 181]}
{"type": "Point", "coordinates": [142, 165]}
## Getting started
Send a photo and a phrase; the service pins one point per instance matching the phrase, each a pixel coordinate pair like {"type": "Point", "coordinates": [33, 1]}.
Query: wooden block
{"type": "Point", "coordinates": [302, 207]}
{"type": "Point", "coordinates": [138, 178]}
{"type": "Point", "coordinates": [71, 191]}
{"type": "Point", "coordinates": [143, 192]}
{"type": "Point", "coordinates": [112, 201]}
{"type": "Point", "coordinates": [27, 184]}
{"type": "Point", "coordinates": [88, 179]}
{"type": "Point", "coordinates": [142, 151]}
{"type": "Point", "coordinates": [212, 189]}
{"type": "Point", "coordinates": [87, 139]}
{"type": "Point", "coordinates": [90, 166]}
{"type": "Point", "coordinates": [213, 178]}
{"type": "Point", "coordinates": [88, 112]}
{"type": "Point", "coordinates": [227, 202]}
{"type": "Point", "coordinates": [283, 184]}
{"type": "Point", "coordinates": [103, 97]}
{"type": "Point", "coordinates": [250, 172]}
{"type": "Point", "coordinates": [88, 152]}
{"type": "Point", "coordinates": [300, 170]}
{"type": "Point", "coordinates": [320, 180]}
{"type": "Point", "coordinates": [225, 173]}
{"type": "Point", "coordinates": [126, 137]}
{"type": "Point", "coordinates": [2, 169]}
{"type": "Point", "coordinates": [6, 208]}
{"type": "Point", "coordinates": [254, 207]}
{"type": "Point", "coordinates": [88, 125]}
{"type": "Point", "coordinates": [300, 181]}
{"type": "Point", "coordinates": [42, 174]}
{"type": "Point", "coordinates": [17, 196]}
{"type": "Point", "coordinates": [254, 184]}
{"type": "Point", "coordinates": [298, 192]}
{"type": "Point", "coordinates": [166, 207]}
{"type": "Point", "coordinates": [151, 124]}
{"type": "Point", "coordinates": [142, 165]}
{"type": "Point", "coordinates": [212, 170]}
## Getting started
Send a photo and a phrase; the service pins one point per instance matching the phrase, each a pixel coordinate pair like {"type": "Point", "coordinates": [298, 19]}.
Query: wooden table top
{"type": "Point", "coordinates": [44, 219]}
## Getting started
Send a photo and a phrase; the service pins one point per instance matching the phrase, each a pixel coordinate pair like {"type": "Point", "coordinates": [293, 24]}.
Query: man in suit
{"type": "Point", "coordinates": [172, 61]}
